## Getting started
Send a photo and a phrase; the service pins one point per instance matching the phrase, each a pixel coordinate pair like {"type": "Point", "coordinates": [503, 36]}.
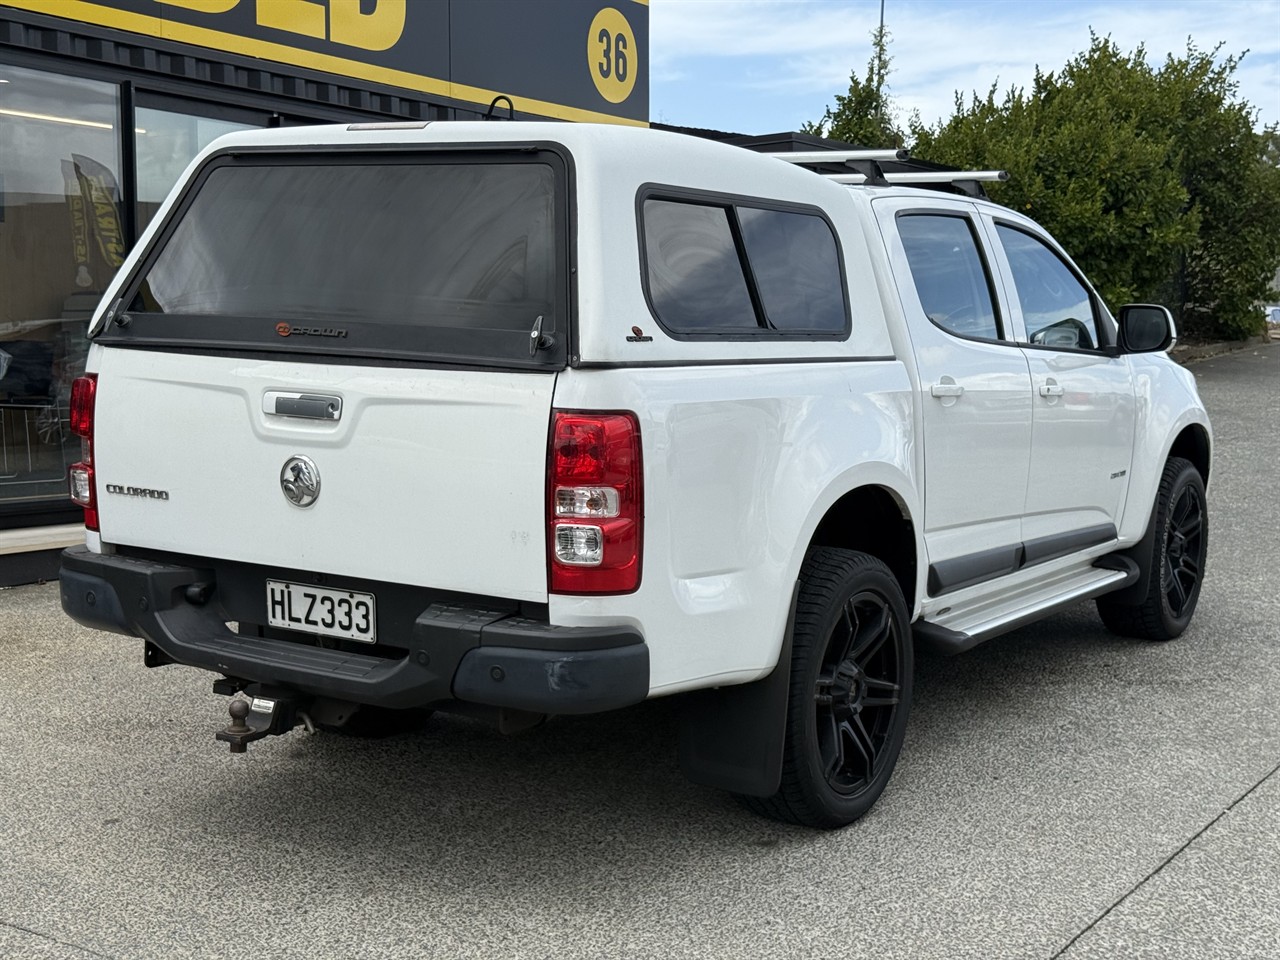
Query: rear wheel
{"type": "Point", "coordinates": [1176, 563]}
{"type": "Point", "coordinates": [850, 691]}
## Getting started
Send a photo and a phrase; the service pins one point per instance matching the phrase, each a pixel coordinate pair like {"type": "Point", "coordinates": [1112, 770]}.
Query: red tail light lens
{"type": "Point", "coordinates": [595, 503]}
{"type": "Point", "coordinates": [83, 392]}
{"type": "Point", "coordinates": [84, 492]}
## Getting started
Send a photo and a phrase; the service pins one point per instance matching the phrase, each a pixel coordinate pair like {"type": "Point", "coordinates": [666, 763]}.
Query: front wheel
{"type": "Point", "coordinates": [1176, 563]}
{"type": "Point", "coordinates": [851, 666]}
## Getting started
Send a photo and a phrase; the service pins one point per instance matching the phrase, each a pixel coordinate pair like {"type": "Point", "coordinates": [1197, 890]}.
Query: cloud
{"type": "Point", "coordinates": [771, 49]}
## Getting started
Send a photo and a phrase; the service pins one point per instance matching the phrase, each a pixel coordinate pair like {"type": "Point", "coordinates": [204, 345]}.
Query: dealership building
{"type": "Point", "coordinates": [104, 103]}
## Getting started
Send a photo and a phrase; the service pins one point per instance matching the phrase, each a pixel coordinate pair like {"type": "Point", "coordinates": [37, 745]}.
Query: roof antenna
{"type": "Point", "coordinates": [511, 108]}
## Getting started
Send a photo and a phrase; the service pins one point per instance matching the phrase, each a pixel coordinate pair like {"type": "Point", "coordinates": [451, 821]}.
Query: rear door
{"type": "Point", "coordinates": [975, 391]}
{"type": "Point", "coordinates": [326, 363]}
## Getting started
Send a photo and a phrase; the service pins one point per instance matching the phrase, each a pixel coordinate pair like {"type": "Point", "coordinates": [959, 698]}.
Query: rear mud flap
{"type": "Point", "coordinates": [732, 738]}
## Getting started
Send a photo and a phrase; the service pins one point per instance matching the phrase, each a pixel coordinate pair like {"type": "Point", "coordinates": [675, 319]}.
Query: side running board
{"type": "Point", "coordinates": [941, 639]}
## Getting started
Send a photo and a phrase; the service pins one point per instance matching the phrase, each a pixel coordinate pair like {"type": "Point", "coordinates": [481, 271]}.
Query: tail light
{"type": "Point", "coordinates": [84, 491]}
{"type": "Point", "coordinates": [595, 503]}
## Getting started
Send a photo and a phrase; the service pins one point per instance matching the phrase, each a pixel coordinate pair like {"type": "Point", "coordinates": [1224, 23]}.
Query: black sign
{"type": "Point", "coordinates": [567, 59]}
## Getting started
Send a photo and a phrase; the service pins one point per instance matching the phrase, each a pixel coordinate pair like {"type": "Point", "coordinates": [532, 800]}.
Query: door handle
{"type": "Point", "coordinates": [946, 390]}
{"type": "Point", "coordinates": [1050, 389]}
{"type": "Point", "coordinates": [309, 406]}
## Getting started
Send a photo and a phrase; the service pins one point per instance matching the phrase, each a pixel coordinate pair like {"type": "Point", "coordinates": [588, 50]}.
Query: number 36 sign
{"type": "Point", "coordinates": [610, 48]}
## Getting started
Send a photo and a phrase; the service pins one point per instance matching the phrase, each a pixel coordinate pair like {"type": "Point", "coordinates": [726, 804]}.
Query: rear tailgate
{"type": "Point", "coordinates": [422, 290]}
{"type": "Point", "coordinates": [432, 477]}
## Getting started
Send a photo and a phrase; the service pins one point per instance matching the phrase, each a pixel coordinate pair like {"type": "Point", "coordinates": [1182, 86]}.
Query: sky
{"type": "Point", "coordinates": [765, 66]}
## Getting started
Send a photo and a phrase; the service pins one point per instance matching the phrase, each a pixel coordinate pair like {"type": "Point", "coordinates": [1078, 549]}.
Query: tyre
{"type": "Point", "coordinates": [1175, 564]}
{"type": "Point", "coordinates": [851, 665]}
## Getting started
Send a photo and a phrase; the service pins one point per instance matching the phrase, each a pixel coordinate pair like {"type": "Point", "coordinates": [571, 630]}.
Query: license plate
{"type": "Point", "coordinates": [330, 613]}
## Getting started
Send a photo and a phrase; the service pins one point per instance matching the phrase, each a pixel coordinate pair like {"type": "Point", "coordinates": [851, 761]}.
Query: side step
{"type": "Point", "coordinates": [939, 639]}
{"type": "Point", "coordinates": [1122, 571]}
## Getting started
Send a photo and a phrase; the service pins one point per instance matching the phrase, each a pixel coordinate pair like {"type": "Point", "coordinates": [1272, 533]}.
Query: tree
{"type": "Point", "coordinates": [1154, 179]}
{"type": "Point", "coordinates": [1234, 186]}
{"type": "Point", "coordinates": [865, 115]}
{"type": "Point", "coordinates": [1082, 163]}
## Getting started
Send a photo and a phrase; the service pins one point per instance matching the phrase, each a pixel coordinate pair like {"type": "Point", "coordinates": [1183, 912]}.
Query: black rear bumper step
{"type": "Point", "coordinates": [452, 651]}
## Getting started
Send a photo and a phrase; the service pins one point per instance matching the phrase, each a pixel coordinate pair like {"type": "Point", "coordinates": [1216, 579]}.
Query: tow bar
{"type": "Point", "coordinates": [269, 711]}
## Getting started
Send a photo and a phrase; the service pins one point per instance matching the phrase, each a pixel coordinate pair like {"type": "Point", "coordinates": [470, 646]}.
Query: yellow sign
{"type": "Point", "coordinates": [465, 50]}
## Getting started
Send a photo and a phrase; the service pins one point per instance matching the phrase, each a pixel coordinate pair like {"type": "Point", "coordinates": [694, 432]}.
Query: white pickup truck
{"type": "Point", "coordinates": [546, 419]}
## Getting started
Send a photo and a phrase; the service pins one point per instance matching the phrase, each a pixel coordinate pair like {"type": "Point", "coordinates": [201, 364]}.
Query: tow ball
{"type": "Point", "coordinates": [266, 713]}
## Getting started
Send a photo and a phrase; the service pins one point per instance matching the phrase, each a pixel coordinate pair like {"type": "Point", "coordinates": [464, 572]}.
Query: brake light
{"type": "Point", "coordinates": [595, 503]}
{"type": "Point", "coordinates": [84, 491]}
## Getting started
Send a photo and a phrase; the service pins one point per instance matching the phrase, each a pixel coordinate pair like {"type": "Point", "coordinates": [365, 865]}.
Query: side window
{"type": "Point", "coordinates": [796, 267]}
{"type": "Point", "coordinates": [1056, 307]}
{"type": "Point", "coordinates": [695, 277]}
{"type": "Point", "coordinates": [732, 268]}
{"type": "Point", "coordinates": [949, 274]}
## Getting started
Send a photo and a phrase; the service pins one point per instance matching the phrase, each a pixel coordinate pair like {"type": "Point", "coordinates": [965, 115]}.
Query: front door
{"type": "Point", "coordinates": [1083, 398]}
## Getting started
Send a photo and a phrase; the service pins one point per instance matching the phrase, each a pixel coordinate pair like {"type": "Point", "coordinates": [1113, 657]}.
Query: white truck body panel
{"type": "Point", "coordinates": [753, 456]}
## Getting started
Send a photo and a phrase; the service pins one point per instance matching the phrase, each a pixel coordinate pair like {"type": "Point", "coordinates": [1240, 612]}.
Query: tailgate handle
{"type": "Point", "coordinates": [311, 406]}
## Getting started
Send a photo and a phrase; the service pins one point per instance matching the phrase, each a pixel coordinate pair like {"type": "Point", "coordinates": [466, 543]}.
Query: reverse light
{"type": "Point", "coordinates": [579, 545]}
{"type": "Point", "coordinates": [81, 479]}
{"type": "Point", "coordinates": [84, 391]}
{"type": "Point", "coordinates": [595, 507]}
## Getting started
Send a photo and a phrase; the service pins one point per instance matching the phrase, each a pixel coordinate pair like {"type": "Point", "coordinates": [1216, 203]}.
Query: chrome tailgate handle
{"type": "Point", "coordinates": [309, 406]}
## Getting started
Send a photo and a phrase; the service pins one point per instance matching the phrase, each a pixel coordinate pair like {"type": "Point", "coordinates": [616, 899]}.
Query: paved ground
{"type": "Point", "coordinates": [1063, 793]}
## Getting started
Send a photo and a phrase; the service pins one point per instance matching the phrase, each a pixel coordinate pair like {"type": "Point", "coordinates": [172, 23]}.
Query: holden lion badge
{"type": "Point", "coordinates": [300, 481]}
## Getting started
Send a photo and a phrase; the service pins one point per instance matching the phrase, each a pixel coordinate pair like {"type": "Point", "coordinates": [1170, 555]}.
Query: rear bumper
{"type": "Point", "coordinates": [455, 651]}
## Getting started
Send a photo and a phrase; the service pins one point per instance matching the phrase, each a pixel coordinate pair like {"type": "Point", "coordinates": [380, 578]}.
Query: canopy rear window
{"type": "Point", "coordinates": [447, 256]}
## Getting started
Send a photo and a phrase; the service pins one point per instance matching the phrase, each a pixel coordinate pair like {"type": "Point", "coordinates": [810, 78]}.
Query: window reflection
{"type": "Point", "coordinates": [695, 274]}
{"type": "Point", "coordinates": [166, 143]}
{"type": "Point", "coordinates": [61, 240]}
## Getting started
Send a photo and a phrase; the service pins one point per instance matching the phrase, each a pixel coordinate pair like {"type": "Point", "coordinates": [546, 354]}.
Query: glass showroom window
{"type": "Point", "coordinates": [61, 240]}
{"type": "Point", "coordinates": [166, 141]}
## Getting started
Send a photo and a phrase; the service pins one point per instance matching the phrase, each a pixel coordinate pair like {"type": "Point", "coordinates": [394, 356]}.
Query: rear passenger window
{"type": "Point", "coordinates": [729, 268]}
{"type": "Point", "coordinates": [949, 274]}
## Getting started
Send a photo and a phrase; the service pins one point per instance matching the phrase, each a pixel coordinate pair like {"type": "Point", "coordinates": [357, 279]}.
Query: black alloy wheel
{"type": "Point", "coordinates": [850, 692]}
{"type": "Point", "coordinates": [1175, 566]}
{"type": "Point", "coordinates": [1184, 551]}
{"type": "Point", "coordinates": [857, 694]}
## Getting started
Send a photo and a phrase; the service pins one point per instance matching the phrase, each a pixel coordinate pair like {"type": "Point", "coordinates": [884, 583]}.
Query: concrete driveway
{"type": "Point", "coordinates": [1063, 793]}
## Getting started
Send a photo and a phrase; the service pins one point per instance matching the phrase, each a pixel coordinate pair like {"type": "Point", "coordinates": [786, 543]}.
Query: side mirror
{"type": "Point", "coordinates": [1146, 328]}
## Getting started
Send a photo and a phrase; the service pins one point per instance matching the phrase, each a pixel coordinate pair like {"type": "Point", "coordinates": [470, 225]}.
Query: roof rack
{"type": "Point", "coordinates": [839, 156]}
{"type": "Point", "coordinates": [863, 162]}
{"type": "Point", "coordinates": [865, 168]}
{"type": "Point", "coordinates": [930, 176]}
